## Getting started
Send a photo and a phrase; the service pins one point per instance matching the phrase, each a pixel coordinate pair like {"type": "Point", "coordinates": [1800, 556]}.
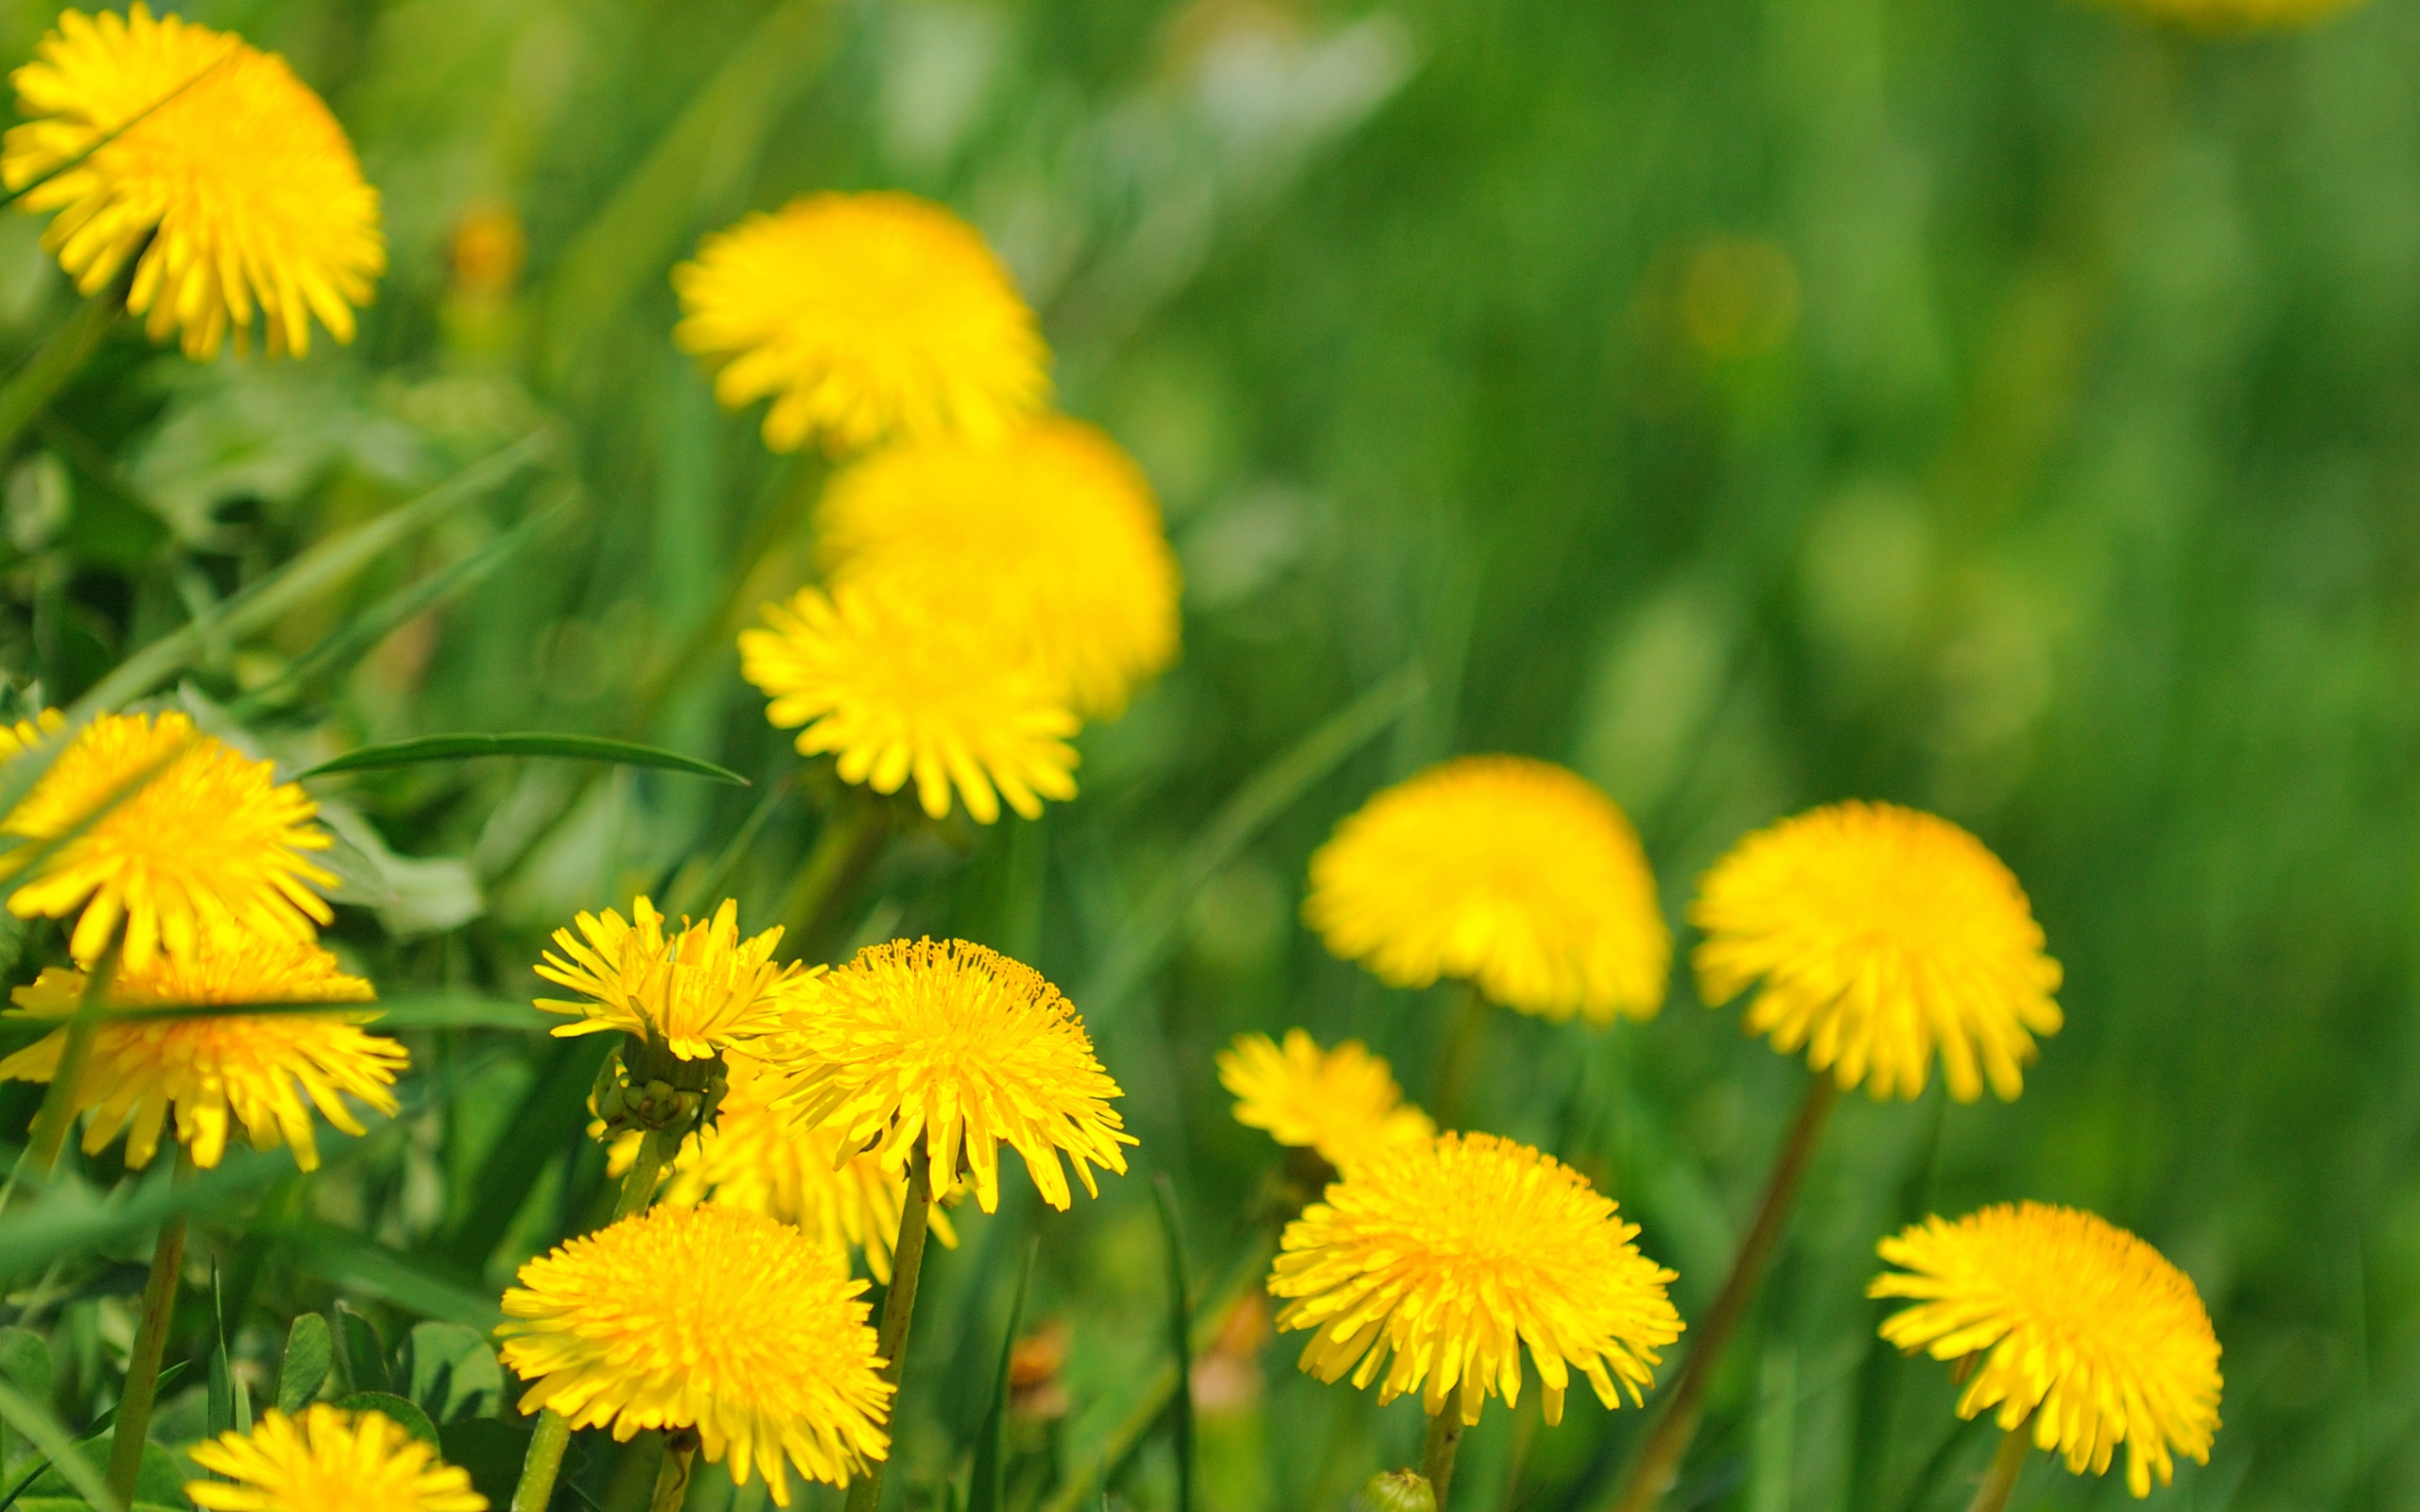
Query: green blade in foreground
{"type": "Point", "coordinates": [569, 747]}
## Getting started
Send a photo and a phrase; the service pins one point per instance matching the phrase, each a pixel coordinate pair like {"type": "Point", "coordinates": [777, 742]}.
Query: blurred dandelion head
{"type": "Point", "coordinates": [1434, 1263]}
{"type": "Point", "coordinates": [1516, 875]}
{"type": "Point", "coordinates": [964, 1049]}
{"type": "Point", "coordinates": [211, 159]}
{"type": "Point", "coordinates": [2230, 16]}
{"type": "Point", "coordinates": [696, 991]}
{"type": "Point", "coordinates": [714, 1318]}
{"type": "Point", "coordinates": [257, 1069]}
{"type": "Point", "coordinates": [328, 1459]}
{"type": "Point", "coordinates": [2080, 1325]}
{"type": "Point", "coordinates": [22, 736]}
{"type": "Point", "coordinates": [755, 1155]}
{"type": "Point", "coordinates": [191, 839]}
{"type": "Point", "coordinates": [1342, 1102]}
{"type": "Point", "coordinates": [1879, 935]}
{"type": "Point", "coordinates": [1052, 539]}
{"type": "Point", "coordinates": [865, 318]}
{"type": "Point", "coordinates": [895, 687]}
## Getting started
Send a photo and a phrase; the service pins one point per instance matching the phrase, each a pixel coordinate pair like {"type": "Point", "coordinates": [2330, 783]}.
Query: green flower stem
{"type": "Point", "coordinates": [845, 851]}
{"type": "Point", "coordinates": [639, 1182]}
{"type": "Point", "coordinates": [150, 1342]}
{"type": "Point", "coordinates": [49, 1135]}
{"type": "Point", "coordinates": [1659, 1460]}
{"type": "Point", "coordinates": [58, 358]}
{"type": "Point", "coordinates": [2006, 1467]}
{"type": "Point", "coordinates": [1463, 1041]}
{"type": "Point", "coordinates": [1437, 1450]}
{"type": "Point", "coordinates": [899, 1310]}
{"type": "Point", "coordinates": [672, 1479]}
{"type": "Point", "coordinates": [544, 1462]}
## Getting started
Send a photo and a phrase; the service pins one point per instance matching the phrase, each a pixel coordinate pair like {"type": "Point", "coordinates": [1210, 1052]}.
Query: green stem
{"type": "Point", "coordinates": [898, 1312]}
{"type": "Point", "coordinates": [49, 1135]}
{"type": "Point", "coordinates": [2000, 1479]}
{"type": "Point", "coordinates": [544, 1462]}
{"type": "Point", "coordinates": [59, 358]}
{"type": "Point", "coordinates": [672, 1479]}
{"type": "Point", "coordinates": [1437, 1450]}
{"type": "Point", "coordinates": [133, 1427]}
{"type": "Point", "coordinates": [1462, 1041]}
{"type": "Point", "coordinates": [639, 1182]}
{"type": "Point", "coordinates": [1659, 1460]}
{"type": "Point", "coordinates": [850, 843]}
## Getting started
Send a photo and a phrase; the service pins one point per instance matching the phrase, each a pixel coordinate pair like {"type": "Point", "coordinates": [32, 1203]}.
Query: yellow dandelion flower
{"type": "Point", "coordinates": [1052, 536]}
{"type": "Point", "coordinates": [897, 688]}
{"type": "Point", "coordinates": [755, 1157]}
{"type": "Point", "coordinates": [255, 1067]}
{"type": "Point", "coordinates": [2228, 16]}
{"type": "Point", "coordinates": [865, 318]}
{"type": "Point", "coordinates": [2081, 1326]}
{"type": "Point", "coordinates": [1342, 1102]}
{"type": "Point", "coordinates": [201, 841]}
{"type": "Point", "coordinates": [697, 993]}
{"type": "Point", "coordinates": [22, 736]}
{"type": "Point", "coordinates": [226, 174]}
{"type": "Point", "coordinates": [963, 1047]}
{"type": "Point", "coordinates": [328, 1460]}
{"type": "Point", "coordinates": [1516, 875]}
{"type": "Point", "coordinates": [1879, 934]}
{"type": "Point", "coordinates": [714, 1318]}
{"type": "Point", "coordinates": [1436, 1262]}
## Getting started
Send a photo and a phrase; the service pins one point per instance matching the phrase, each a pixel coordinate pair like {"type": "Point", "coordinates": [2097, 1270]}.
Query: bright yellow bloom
{"type": "Point", "coordinates": [712, 1317]}
{"type": "Point", "coordinates": [1514, 874]}
{"type": "Point", "coordinates": [1052, 538]}
{"type": "Point", "coordinates": [1342, 1102]}
{"type": "Point", "coordinates": [257, 1067]}
{"type": "Point", "coordinates": [899, 689]}
{"type": "Point", "coordinates": [698, 991]}
{"type": "Point", "coordinates": [755, 1157]}
{"type": "Point", "coordinates": [1449, 1254]}
{"type": "Point", "coordinates": [2081, 1325]}
{"type": "Point", "coordinates": [22, 736]}
{"type": "Point", "coordinates": [963, 1047]}
{"type": "Point", "coordinates": [2228, 16]}
{"type": "Point", "coordinates": [1879, 934]}
{"type": "Point", "coordinates": [226, 174]}
{"type": "Point", "coordinates": [865, 318]}
{"type": "Point", "coordinates": [200, 840]}
{"type": "Point", "coordinates": [328, 1460]}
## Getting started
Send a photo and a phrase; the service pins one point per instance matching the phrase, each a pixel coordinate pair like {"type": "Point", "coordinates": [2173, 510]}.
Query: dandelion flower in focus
{"type": "Point", "coordinates": [1342, 1102]}
{"type": "Point", "coordinates": [255, 1067]}
{"type": "Point", "coordinates": [209, 159]}
{"type": "Point", "coordinates": [200, 840]}
{"type": "Point", "coordinates": [2079, 1324]}
{"type": "Point", "coordinates": [22, 736]}
{"type": "Point", "coordinates": [897, 688]}
{"type": "Point", "coordinates": [964, 1049]}
{"type": "Point", "coordinates": [1516, 875]}
{"type": "Point", "coordinates": [328, 1460]}
{"type": "Point", "coordinates": [1052, 538]}
{"type": "Point", "coordinates": [865, 318]}
{"type": "Point", "coordinates": [714, 1318]}
{"type": "Point", "coordinates": [696, 991]}
{"type": "Point", "coordinates": [1879, 935]}
{"type": "Point", "coordinates": [1435, 1262]}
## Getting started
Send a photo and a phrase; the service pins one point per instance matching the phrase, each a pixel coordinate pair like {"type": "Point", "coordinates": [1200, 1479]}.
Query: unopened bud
{"type": "Point", "coordinates": [1396, 1491]}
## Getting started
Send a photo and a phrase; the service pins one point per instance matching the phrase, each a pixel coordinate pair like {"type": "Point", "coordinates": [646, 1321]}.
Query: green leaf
{"type": "Point", "coordinates": [987, 1490]}
{"type": "Point", "coordinates": [451, 1371]}
{"type": "Point", "coordinates": [406, 1416]}
{"type": "Point", "coordinates": [25, 1363]}
{"type": "Point", "coordinates": [492, 1449]}
{"type": "Point", "coordinates": [569, 747]}
{"type": "Point", "coordinates": [360, 1354]}
{"type": "Point", "coordinates": [34, 1421]}
{"type": "Point", "coordinates": [360, 1267]}
{"type": "Point", "coordinates": [1180, 1338]}
{"type": "Point", "coordinates": [550, 1114]}
{"type": "Point", "coordinates": [310, 1354]}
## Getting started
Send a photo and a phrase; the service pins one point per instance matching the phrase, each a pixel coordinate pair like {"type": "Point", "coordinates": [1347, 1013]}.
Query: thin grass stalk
{"type": "Point", "coordinates": [845, 851]}
{"type": "Point", "coordinates": [57, 1115]}
{"type": "Point", "coordinates": [2000, 1479]}
{"type": "Point", "coordinates": [1463, 1038]}
{"type": "Point", "coordinates": [1437, 1448]}
{"type": "Point", "coordinates": [1668, 1443]}
{"type": "Point", "coordinates": [133, 1427]}
{"type": "Point", "coordinates": [899, 1310]}
{"type": "Point", "coordinates": [60, 357]}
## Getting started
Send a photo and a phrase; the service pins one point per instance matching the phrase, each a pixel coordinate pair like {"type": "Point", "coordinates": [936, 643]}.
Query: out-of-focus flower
{"type": "Point", "coordinates": [1342, 1102]}
{"type": "Point", "coordinates": [328, 1460]}
{"type": "Point", "coordinates": [2224, 16]}
{"type": "Point", "coordinates": [22, 736]}
{"type": "Point", "coordinates": [1227, 1377]}
{"type": "Point", "coordinates": [697, 993]}
{"type": "Point", "coordinates": [1037, 1366]}
{"type": "Point", "coordinates": [487, 249]}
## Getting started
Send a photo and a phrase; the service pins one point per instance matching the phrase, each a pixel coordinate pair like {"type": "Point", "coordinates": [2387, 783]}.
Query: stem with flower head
{"type": "Point", "coordinates": [2007, 1465]}
{"type": "Point", "coordinates": [899, 1309]}
{"type": "Point", "coordinates": [1437, 1448]}
{"type": "Point", "coordinates": [1659, 1462]}
{"type": "Point", "coordinates": [133, 1426]}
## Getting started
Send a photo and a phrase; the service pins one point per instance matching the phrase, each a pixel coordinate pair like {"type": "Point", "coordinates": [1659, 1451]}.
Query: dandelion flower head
{"type": "Point", "coordinates": [1879, 935]}
{"type": "Point", "coordinates": [2079, 1324]}
{"type": "Point", "coordinates": [2235, 16]}
{"type": "Point", "coordinates": [1435, 1262]}
{"type": "Point", "coordinates": [264, 1071]}
{"type": "Point", "coordinates": [714, 1318]}
{"type": "Point", "coordinates": [193, 838]}
{"type": "Point", "coordinates": [864, 317]}
{"type": "Point", "coordinates": [964, 1049]}
{"type": "Point", "coordinates": [22, 736]}
{"type": "Point", "coordinates": [697, 991]}
{"type": "Point", "coordinates": [328, 1460]}
{"type": "Point", "coordinates": [1052, 536]}
{"type": "Point", "coordinates": [1516, 875]}
{"type": "Point", "coordinates": [1342, 1102]}
{"type": "Point", "coordinates": [896, 688]}
{"type": "Point", "coordinates": [210, 159]}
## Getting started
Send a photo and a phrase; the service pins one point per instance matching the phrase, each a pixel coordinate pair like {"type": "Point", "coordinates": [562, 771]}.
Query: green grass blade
{"type": "Point", "coordinates": [1180, 1338]}
{"type": "Point", "coordinates": [555, 1107]}
{"type": "Point", "coordinates": [988, 1488]}
{"type": "Point", "coordinates": [567, 747]}
{"type": "Point", "coordinates": [34, 1421]}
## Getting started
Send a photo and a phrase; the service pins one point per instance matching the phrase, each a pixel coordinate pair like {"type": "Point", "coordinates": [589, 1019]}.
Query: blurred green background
{"type": "Point", "coordinates": [2001, 406]}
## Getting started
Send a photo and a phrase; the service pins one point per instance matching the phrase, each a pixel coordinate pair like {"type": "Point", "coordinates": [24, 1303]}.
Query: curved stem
{"type": "Point", "coordinates": [1437, 1450]}
{"type": "Point", "coordinates": [134, 1428]}
{"type": "Point", "coordinates": [2006, 1467]}
{"type": "Point", "coordinates": [60, 357]}
{"type": "Point", "coordinates": [898, 1312]}
{"type": "Point", "coordinates": [1659, 1460]}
